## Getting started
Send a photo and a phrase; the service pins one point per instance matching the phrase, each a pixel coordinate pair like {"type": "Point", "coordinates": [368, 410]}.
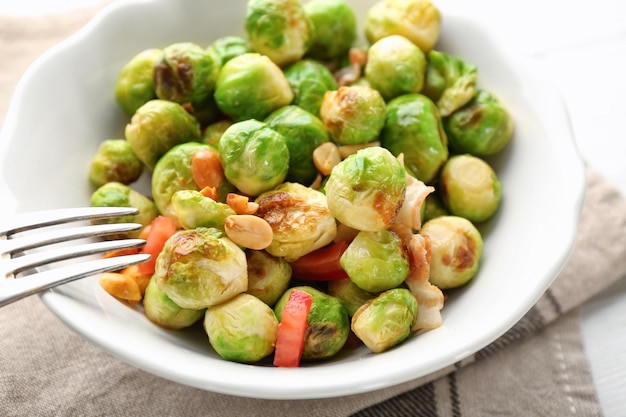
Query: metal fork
{"type": "Point", "coordinates": [22, 259]}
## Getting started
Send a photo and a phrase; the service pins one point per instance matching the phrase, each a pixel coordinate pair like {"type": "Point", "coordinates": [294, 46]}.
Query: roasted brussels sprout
{"type": "Point", "coordinates": [303, 132]}
{"type": "Point", "coordinates": [413, 127]}
{"type": "Point", "coordinates": [376, 261]}
{"type": "Point", "coordinates": [201, 267]}
{"type": "Point", "coordinates": [310, 80]}
{"type": "Point", "coordinates": [115, 194]}
{"type": "Point", "coordinates": [299, 217]}
{"type": "Point", "coordinates": [254, 156]}
{"type": "Point", "coordinates": [241, 329]}
{"type": "Point", "coordinates": [328, 324]}
{"type": "Point", "coordinates": [193, 210]}
{"type": "Point", "coordinates": [456, 249]}
{"type": "Point", "coordinates": [114, 162]}
{"type": "Point", "coordinates": [279, 29]}
{"type": "Point", "coordinates": [470, 188]}
{"type": "Point", "coordinates": [417, 20]}
{"type": "Point", "coordinates": [214, 131]}
{"type": "Point", "coordinates": [268, 276]}
{"type": "Point", "coordinates": [386, 320]}
{"type": "Point", "coordinates": [353, 114]}
{"type": "Point", "coordinates": [226, 48]}
{"type": "Point", "coordinates": [158, 126]}
{"type": "Point", "coordinates": [335, 26]}
{"type": "Point", "coordinates": [251, 86]}
{"type": "Point", "coordinates": [161, 310]}
{"type": "Point", "coordinates": [482, 127]}
{"type": "Point", "coordinates": [351, 296]}
{"type": "Point", "coordinates": [366, 190]}
{"type": "Point", "coordinates": [395, 66]}
{"type": "Point", "coordinates": [433, 207]}
{"type": "Point", "coordinates": [134, 86]}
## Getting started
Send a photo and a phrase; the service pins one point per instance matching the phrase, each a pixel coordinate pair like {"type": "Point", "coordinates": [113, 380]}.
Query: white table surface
{"type": "Point", "coordinates": [581, 46]}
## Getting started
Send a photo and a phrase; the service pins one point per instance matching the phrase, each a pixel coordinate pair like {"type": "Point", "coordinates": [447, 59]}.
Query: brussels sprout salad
{"type": "Point", "coordinates": [308, 193]}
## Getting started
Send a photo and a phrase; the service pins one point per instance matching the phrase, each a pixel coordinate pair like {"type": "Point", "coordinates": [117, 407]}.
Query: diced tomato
{"type": "Point", "coordinates": [291, 330]}
{"type": "Point", "coordinates": [161, 229]}
{"type": "Point", "coordinates": [322, 264]}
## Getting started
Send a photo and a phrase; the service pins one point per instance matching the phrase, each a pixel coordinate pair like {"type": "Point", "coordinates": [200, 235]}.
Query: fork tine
{"type": "Point", "coordinates": [40, 281]}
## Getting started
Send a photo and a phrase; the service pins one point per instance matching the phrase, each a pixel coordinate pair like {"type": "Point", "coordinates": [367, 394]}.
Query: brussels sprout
{"type": "Point", "coordinates": [433, 207]}
{"type": "Point", "coordinates": [335, 26]}
{"type": "Point", "coordinates": [482, 127]}
{"type": "Point", "coordinates": [417, 20]}
{"type": "Point", "coordinates": [185, 74]}
{"type": "Point", "coordinates": [201, 267]}
{"type": "Point", "coordinates": [310, 80]}
{"type": "Point", "coordinates": [353, 114]}
{"type": "Point", "coordinates": [158, 126]}
{"type": "Point", "coordinates": [214, 131]}
{"type": "Point", "coordinates": [114, 162]}
{"type": "Point", "coordinates": [376, 261]}
{"type": "Point", "coordinates": [413, 127]}
{"type": "Point", "coordinates": [386, 320]}
{"type": "Point", "coordinates": [470, 188]}
{"type": "Point", "coordinates": [395, 66]}
{"type": "Point", "coordinates": [193, 210]}
{"type": "Point", "coordinates": [242, 329]}
{"type": "Point", "coordinates": [303, 132]}
{"type": "Point", "coordinates": [134, 86]}
{"type": "Point", "coordinates": [224, 49]}
{"type": "Point", "coordinates": [161, 310]}
{"type": "Point", "coordinates": [351, 296]}
{"type": "Point", "coordinates": [328, 324]}
{"type": "Point", "coordinates": [254, 156]}
{"type": "Point", "coordinates": [250, 86]}
{"type": "Point", "coordinates": [268, 276]}
{"type": "Point", "coordinates": [279, 29]}
{"type": "Point", "coordinates": [115, 194]}
{"type": "Point", "coordinates": [366, 190]}
{"type": "Point", "coordinates": [300, 219]}
{"type": "Point", "coordinates": [455, 249]}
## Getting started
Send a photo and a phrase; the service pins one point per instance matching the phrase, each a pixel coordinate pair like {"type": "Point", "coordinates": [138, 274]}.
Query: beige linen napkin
{"type": "Point", "coordinates": [538, 368]}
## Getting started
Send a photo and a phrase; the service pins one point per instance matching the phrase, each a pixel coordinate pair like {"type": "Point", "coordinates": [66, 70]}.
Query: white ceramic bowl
{"type": "Point", "coordinates": [64, 107]}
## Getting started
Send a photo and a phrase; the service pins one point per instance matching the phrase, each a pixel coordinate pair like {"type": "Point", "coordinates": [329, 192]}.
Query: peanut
{"type": "Point", "coordinates": [347, 150]}
{"type": "Point", "coordinates": [121, 286]}
{"type": "Point", "coordinates": [249, 231]}
{"type": "Point", "coordinates": [325, 157]}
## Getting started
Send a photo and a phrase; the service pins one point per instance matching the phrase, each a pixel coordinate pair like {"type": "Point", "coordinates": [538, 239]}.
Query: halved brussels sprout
{"type": "Point", "coordinates": [299, 217]}
{"type": "Point", "coordinates": [456, 247]}
{"type": "Point", "coordinates": [268, 276]}
{"type": "Point", "coordinates": [134, 86]}
{"type": "Point", "coordinates": [255, 157]}
{"type": "Point", "coordinates": [226, 48]}
{"type": "Point", "coordinates": [241, 329]}
{"type": "Point", "coordinates": [335, 26]}
{"type": "Point", "coordinates": [193, 210]}
{"type": "Point", "coordinates": [366, 190]}
{"type": "Point", "coordinates": [161, 310]}
{"type": "Point", "coordinates": [251, 86]}
{"type": "Point", "coordinates": [114, 162]}
{"type": "Point", "coordinates": [310, 80]}
{"type": "Point", "coordinates": [351, 296]}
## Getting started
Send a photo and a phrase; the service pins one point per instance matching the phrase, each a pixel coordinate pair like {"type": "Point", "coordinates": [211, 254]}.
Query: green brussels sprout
{"type": "Point", "coordinates": [241, 329]}
{"type": "Point", "coordinates": [226, 48]}
{"type": "Point", "coordinates": [386, 320]}
{"type": "Point", "coordinates": [413, 127]}
{"type": "Point", "coordinates": [300, 219]}
{"type": "Point", "coordinates": [268, 276]}
{"type": "Point", "coordinates": [134, 86]}
{"type": "Point", "coordinates": [417, 20]}
{"type": "Point", "coordinates": [470, 188]}
{"type": "Point", "coordinates": [201, 267]}
{"type": "Point", "coordinates": [433, 207]}
{"type": "Point", "coordinates": [482, 127]}
{"type": "Point", "coordinates": [376, 261]}
{"type": "Point", "coordinates": [114, 162]}
{"type": "Point", "coordinates": [161, 310]}
{"type": "Point", "coordinates": [255, 157]}
{"type": "Point", "coordinates": [185, 74]}
{"type": "Point", "coordinates": [351, 296]}
{"type": "Point", "coordinates": [303, 132]}
{"type": "Point", "coordinates": [310, 80]}
{"type": "Point", "coordinates": [115, 194]}
{"type": "Point", "coordinates": [353, 114]}
{"type": "Point", "coordinates": [158, 126]}
{"type": "Point", "coordinates": [214, 131]}
{"type": "Point", "coordinates": [335, 26]}
{"type": "Point", "coordinates": [193, 210]}
{"type": "Point", "coordinates": [450, 81]}
{"type": "Point", "coordinates": [366, 190]}
{"type": "Point", "coordinates": [279, 29]}
{"type": "Point", "coordinates": [456, 247]}
{"type": "Point", "coordinates": [328, 324]}
{"type": "Point", "coordinates": [395, 66]}
{"type": "Point", "coordinates": [251, 86]}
